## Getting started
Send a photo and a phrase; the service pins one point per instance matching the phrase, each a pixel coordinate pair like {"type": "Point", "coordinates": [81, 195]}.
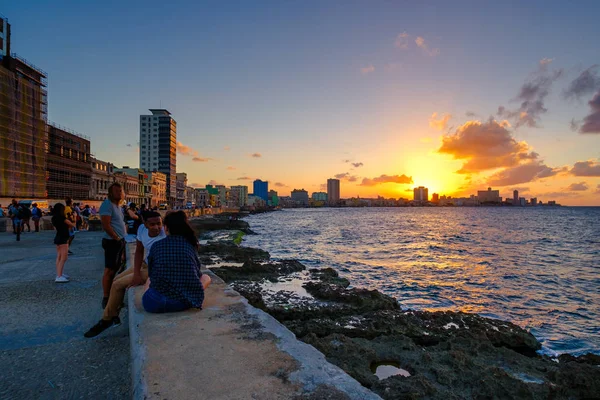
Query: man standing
{"type": "Point", "coordinates": [36, 215]}
{"type": "Point", "coordinates": [147, 234]}
{"type": "Point", "coordinates": [15, 213]}
{"type": "Point", "coordinates": [113, 241]}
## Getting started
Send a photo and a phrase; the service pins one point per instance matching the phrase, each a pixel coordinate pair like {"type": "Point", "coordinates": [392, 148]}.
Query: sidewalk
{"type": "Point", "coordinates": [43, 354]}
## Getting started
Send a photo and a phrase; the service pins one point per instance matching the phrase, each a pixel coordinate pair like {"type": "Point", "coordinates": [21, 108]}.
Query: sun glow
{"type": "Point", "coordinates": [435, 173]}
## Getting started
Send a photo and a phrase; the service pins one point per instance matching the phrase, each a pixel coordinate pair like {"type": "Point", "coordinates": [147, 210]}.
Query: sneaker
{"type": "Point", "coordinates": [101, 326]}
{"type": "Point", "coordinates": [104, 302]}
{"type": "Point", "coordinates": [65, 276]}
{"type": "Point", "coordinates": [61, 279]}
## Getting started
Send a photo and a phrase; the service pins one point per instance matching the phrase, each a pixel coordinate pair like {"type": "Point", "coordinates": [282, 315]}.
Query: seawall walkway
{"type": "Point", "coordinates": [43, 354]}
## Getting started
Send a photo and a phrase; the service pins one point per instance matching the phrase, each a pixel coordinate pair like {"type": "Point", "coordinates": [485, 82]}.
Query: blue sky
{"type": "Point", "coordinates": [308, 84]}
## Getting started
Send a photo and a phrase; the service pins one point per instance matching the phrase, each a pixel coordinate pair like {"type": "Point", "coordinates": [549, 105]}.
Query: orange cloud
{"type": "Point", "coordinates": [439, 123]}
{"type": "Point", "coordinates": [201, 159]}
{"type": "Point", "coordinates": [422, 43]}
{"type": "Point", "coordinates": [586, 168]}
{"type": "Point", "coordinates": [578, 187]}
{"type": "Point", "coordinates": [230, 168]}
{"type": "Point", "coordinates": [367, 70]}
{"type": "Point", "coordinates": [256, 155]}
{"type": "Point", "coordinates": [244, 178]}
{"type": "Point", "coordinates": [401, 179]}
{"type": "Point", "coordinates": [188, 151]}
{"type": "Point", "coordinates": [402, 41]}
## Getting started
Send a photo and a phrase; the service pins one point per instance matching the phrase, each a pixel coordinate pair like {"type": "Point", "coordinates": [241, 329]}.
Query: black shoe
{"type": "Point", "coordinates": [70, 253]}
{"type": "Point", "coordinates": [101, 326]}
{"type": "Point", "coordinates": [104, 302]}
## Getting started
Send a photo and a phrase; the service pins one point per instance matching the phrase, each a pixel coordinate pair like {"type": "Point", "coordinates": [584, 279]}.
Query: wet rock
{"type": "Point", "coordinates": [328, 275]}
{"type": "Point", "coordinates": [589, 358]}
{"type": "Point", "coordinates": [201, 225]}
{"type": "Point", "coordinates": [254, 271]}
{"type": "Point", "coordinates": [362, 299]}
{"type": "Point", "coordinates": [230, 252]}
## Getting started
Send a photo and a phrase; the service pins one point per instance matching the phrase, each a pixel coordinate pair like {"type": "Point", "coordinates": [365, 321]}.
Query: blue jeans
{"type": "Point", "coordinates": [155, 302]}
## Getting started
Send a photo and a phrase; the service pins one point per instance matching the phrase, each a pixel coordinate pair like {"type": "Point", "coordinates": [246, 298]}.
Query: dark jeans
{"type": "Point", "coordinates": [155, 302]}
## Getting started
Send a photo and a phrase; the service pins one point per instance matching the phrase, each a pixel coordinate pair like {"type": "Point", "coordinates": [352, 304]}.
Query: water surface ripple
{"type": "Point", "coordinates": [539, 268]}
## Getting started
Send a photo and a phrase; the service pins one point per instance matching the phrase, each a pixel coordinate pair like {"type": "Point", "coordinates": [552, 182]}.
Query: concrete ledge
{"type": "Point", "coordinates": [228, 350]}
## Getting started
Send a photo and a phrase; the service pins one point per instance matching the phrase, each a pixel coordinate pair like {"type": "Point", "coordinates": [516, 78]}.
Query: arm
{"type": "Point", "coordinates": [132, 214]}
{"type": "Point", "coordinates": [69, 223]}
{"type": "Point", "coordinates": [137, 265]}
{"type": "Point", "coordinates": [107, 228]}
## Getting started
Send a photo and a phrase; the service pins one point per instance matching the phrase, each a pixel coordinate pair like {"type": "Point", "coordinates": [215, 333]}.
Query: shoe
{"type": "Point", "coordinates": [61, 279]}
{"type": "Point", "coordinates": [101, 326]}
{"type": "Point", "coordinates": [70, 253]}
{"type": "Point", "coordinates": [65, 276]}
{"type": "Point", "coordinates": [104, 302]}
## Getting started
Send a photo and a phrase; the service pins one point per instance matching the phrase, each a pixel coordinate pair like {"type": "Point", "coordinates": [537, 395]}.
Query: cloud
{"type": "Point", "coordinates": [346, 177]}
{"type": "Point", "coordinates": [523, 173]}
{"type": "Point", "coordinates": [213, 182]}
{"type": "Point", "coordinates": [230, 168]}
{"type": "Point", "coordinates": [401, 179]}
{"type": "Point", "coordinates": [226, 148]}
{"type": "Point", "coordinates": [244, 178]}
{"type": "Point", "coordinates": [586, 168]}
{"type": "Point", "coordinates": [402, 41]}
{"type": "Point", "coordinates": [128, 144]}
{"type": "Point", "coordinates": [188, 151]}
{"type": "Point", "coordinates": [578, 187]}
{"type": "Point", "coordinates": [545, 61]}
{"type": "Point", "coordinates": [201, 159]}
{"type": "Point", "coordinates": [346, 161]}
{"type": "Point", "coordinates": [196, 185]}
{"type": "Point", "coordinates": [586, 83]}
{"type": "Point", "coordinates": [591, 123]}
{"type": "Point", "coordinates": [439, 123]}
{"type": "Point", "coordinates": [279, 184]}
{"type": "Point", "coordinates": [532, 96]}
{"type": "Point", "coordinates": [323, 187]}
{"type": "Point", "coordinates": [367, 70]}
{"type": "Point", "coordinates": [574, 125]}
{"type": "Point", "coordinates": [484, 146]}
{"type": "Point", "coordinates": [392, 66]}
{"type": "Point", "coordinates": [256, 155]}
{"type": "Point", "coordinates": [422, 43]}
{"type": "Point", "coordinates": [357, 164]}
{"type": "Point", "coordinates": [470, 114]}
{"type": "Point", "coordinates": [426, 140]}
{"type": "Point", "coordinates": [597, 189]}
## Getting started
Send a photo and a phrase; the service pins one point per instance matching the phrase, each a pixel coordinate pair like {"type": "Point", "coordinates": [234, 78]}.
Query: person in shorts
{"type": "Point", "coordinates": [113, 241]}
{"type": "Point", "coordinates": [147, 234]}
{"type": "Point", "coordinates": [62, 225]}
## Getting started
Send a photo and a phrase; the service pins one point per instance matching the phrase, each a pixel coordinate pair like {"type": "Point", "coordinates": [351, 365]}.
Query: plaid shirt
{"type": "Point", "coordinates": [174, 271]}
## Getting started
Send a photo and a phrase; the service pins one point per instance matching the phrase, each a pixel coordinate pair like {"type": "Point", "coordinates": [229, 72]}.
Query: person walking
{"type": "Point", "coordinates": [16, 214]}
{"type": "Point", "coordinates": [26, 217]}
{"type": "Point", "coordinates": [62, 225]}
{"type": "Point", "coordinates": [113, 241]}
{"type": "Point", "coordinates": [1, 211]}
{"type": "Point", "coordinates": [78, 219]}
{"type": "Point", "coordinates": [148, 234]}
{"type": "Point", "coordinates": [85, 215]}
{"type": "Point", "coordinates": [71, 217]}
{"type": "Point", "coordinates": [132, 219]}
{"type": "Point", "coordinates": [36, 215]}
{"type": "Point", "coordinates": [176, 282]}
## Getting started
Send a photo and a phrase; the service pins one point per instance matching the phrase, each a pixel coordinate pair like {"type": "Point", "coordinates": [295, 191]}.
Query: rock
{"type": "Point", "coordinates": [362, 299]}
{"type": "Point", "coordinates": [201, 225]}
{"type": "Point", "coordinates": [328, 275]}
{"type": "Point", "coordinates": [230, 252]}
{"type": "Point", "coordinates": [589, 358]}
{"type": "Point", "coordinates": [253, 271]}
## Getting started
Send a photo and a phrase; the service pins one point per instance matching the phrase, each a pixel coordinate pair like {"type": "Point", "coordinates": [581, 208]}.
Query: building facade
{"type": "Point", "coordinates": [320, 196]}
{"type": "Point", "coordinates": [181, 184]}
{"type": "Point", "coordinates": [158, 147]}
{"type": "Point", "coordinates": [421, 194]}
{"type": "Point", "coordinates": [68, 164]}
{"type": "Point", "coordinates": [23, 118]}
{"type": "Point", "coordinates": [130, 186]}
{"type": "Point", "coordinates": [190, 197]}
{"type": "Point", "coordinates": [238, 196]}
{"type": "Point", "coordinates": [489, 196]}
{"type": "Point", "coordinates": [333, 191]}
{"type": "Point", "coordinates": [138, 174]}
{"type": "Point", "coordinates": [261, 189]}
{"type": "Point", "coordinates": [300, 197]}
{"type": "Point", "coordinates": [158, 180]}
{"type": "Point", "coordinates": [102, 177]}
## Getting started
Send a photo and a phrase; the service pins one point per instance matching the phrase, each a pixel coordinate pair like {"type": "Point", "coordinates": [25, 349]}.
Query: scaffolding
{"type": "Point", "coordinates": [23, 130]}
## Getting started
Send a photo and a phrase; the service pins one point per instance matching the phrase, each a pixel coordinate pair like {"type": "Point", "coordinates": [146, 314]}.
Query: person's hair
{"type": "Point", "coordinates": [34, 204]}
{"type": "Point", "coordinates": [132, 205]}
{"type": "Point", "coordinates": [68, 201]}
{"type": "Point", "coordinates": [177, 224]}
{"type": "Point", "coordinates": [110, 190]}
{"type": "Point", "coordinates": [58, 214]}
{"type": "Point", "coordinates": [150, 214]}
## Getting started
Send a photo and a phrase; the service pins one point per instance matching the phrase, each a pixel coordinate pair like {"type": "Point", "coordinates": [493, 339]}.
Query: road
{"type": "Point", "coordinates": [43, 354]}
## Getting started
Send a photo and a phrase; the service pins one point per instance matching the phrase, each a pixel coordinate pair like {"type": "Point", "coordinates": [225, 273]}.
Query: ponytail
{"type": "Point", "coordinates": [177, 224]}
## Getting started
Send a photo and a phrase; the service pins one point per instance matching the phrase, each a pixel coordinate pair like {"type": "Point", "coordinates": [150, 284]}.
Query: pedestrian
{"type": "Point", "coordinates": [71, 217]}
{"type": "Point", "coordinates": [62, 225]}
{"type": "Point", "coordinates": [78, 219]}
{"type": "Point", "coordinates": [26, 217]}
{"type": "Point", "coordinates": [85, 215]}
{"type": "Point", "coordinates": [132, 219]}
{"type": "Point", "coordinates": [94, 211]}
{"type": "Point", "coordinates": [148, 234]}
{"type": "Point", "coordinates": [176, 282]}
{"type": "Point", "coordinates": [1, 211]}
{"type": "Point", "coordinates": [50, 210]}
{"type": "Point", "coordinates": [113, 241]}
{"type": "Point", "coordinates": [36, 215]}
{"type": "Point", "coordinates": [15, 214]}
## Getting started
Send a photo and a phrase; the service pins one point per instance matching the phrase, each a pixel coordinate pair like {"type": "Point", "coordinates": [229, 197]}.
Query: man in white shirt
{"type": "Point", "coordinates": [151, 232]}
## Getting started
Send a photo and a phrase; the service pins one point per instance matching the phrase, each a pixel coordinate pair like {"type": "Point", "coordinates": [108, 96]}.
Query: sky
{"type": "Point", "coordinates": [455, 96]}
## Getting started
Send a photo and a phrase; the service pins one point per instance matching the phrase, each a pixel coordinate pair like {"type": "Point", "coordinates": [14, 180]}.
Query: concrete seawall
{"type": "Point", "coordinates": [228, 350]}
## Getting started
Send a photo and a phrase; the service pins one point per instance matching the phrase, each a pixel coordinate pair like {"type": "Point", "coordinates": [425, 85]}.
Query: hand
{"type": "Point", "coordinates": [136, 281]}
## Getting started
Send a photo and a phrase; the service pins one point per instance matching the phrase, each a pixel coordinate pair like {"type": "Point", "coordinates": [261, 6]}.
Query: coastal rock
{"type": "Point", "coordinates": [201, 225]}
{"type": "Point", "coordinates": [254, 271]}
{"type": "Point", "coordinates": [230, 252]}
{"type": "Point", "coordinates": [361, 299]}
{"type": "Point", "coordinates": [328, 275]}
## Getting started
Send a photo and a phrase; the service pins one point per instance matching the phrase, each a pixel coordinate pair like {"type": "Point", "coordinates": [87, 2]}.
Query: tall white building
{"type": "Point", "coordinates": [158, 147]}
{"type": "Point", "coordinates": [333, 190]}
{"type": "Point", "coordinates": [238, 196]}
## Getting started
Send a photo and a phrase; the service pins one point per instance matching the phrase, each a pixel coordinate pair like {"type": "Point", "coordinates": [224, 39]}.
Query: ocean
{"type": "Point", "coordinates": [537, 267]}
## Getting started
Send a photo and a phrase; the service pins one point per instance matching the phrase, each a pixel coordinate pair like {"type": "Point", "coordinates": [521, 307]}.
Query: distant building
{"type": "Point", "coordinates": [139, 174]}
{"type": "Point", "coordinates": [23, 129]}
{"type": "Point", "coordinates": [319, 196]}
{"type": "Point", "coordinates": [300, 197]}
{"type": "Point", "coordinates": [238, 196]}
{"type": "Point", "coordinates": [435, 198]}
{"type": "Point", "coordinates": [256, 201]}
{"type": "Point", "coordinates": [333, 191]}
{"type": "Point", "coordinates": [158, 147]}
{"type": "Point", "coordinates": [421, 194]}
{"type": "Point", "coordinates": [190, 197]}
{"type": "Point", "coordinates": [158, 182]}
{"type": "Point", "coordinates": [273, 199]}
{"type": "Point", "coordinates": [102, 177]}
{"type": "Point", "coordinates": [180, 185]}
{"type": "Point", "coordinates": [131, 186]}
{"type": "Point", "coordinates": [261, 189]}
{"type": "Point", "coordinates": [223, 194]}
{"type": "Point", "coordinates": [522, 201]}
{"type": "Point", "coordinates": [68, 165]}
{"type": "Point", "coordinates": [515, 198]}
{"type": "Point", "coordinates": [533, 201]}
{"type": "Point", "coordinates": [489, 196]}
{"type": "Point", "coordinates": [202, 197]}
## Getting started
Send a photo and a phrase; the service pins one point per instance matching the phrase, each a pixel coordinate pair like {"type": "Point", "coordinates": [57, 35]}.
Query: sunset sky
{"type": "Point", "coordinates": [455, 96]}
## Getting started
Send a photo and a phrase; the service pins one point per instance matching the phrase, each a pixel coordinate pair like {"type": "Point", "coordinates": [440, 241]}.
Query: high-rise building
{"type": "Point", "coordinates": [300, 197]}
{"type": "Point", "coordinates": [158, 147]}
{"type": "Point", "coordinates": [261, 189]}
{"type": "Point", "coordinates": [68, 165]}
{"type": "Point", "coordinates": [333, 191]}
{"type": "Point", "coordinates": [516, 198]}
{"type": "Point", "coordinates": [23, 117]}
{"type": "Point", "coordinates": [421, 194]}
{"type": "Point", "coordinates": [489, 196]}
{"type": "Point", "coordinates": [238, 196]}
{"type": "Point", "coordinates": [435, 198]}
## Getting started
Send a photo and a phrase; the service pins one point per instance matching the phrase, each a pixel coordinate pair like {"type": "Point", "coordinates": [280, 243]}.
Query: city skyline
{"type": "Point", "coordinates": [400, 106]}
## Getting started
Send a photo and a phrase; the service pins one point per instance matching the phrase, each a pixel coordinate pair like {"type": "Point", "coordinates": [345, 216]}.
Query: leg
{"type": "Point", "coordinates": [61, 258]}
{"type": "Point", "coordinates": [18, 228]}
{"type": "Point", "coordinates": [107, 281]}
{"type": "Point", "coordinates": [37, 224]}
{"type": "Point", "coordinates": [205, 279]}
{"type": "Point", "coordinates": [117, 294]}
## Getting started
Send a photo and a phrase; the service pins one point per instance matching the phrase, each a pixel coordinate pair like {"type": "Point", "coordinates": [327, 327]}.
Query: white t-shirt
{"type": "Point", "coordinates": [147, 241]}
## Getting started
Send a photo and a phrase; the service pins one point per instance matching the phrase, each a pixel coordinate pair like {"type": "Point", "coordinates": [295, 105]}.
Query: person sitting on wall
{"type": "Point", "coordinates": [176, 282]}
{"type": "Point", "coordinates": [147, 234]}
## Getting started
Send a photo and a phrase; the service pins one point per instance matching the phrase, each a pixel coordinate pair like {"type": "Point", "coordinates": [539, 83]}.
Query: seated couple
{"type": "Point", "coordinates": [167, 260]}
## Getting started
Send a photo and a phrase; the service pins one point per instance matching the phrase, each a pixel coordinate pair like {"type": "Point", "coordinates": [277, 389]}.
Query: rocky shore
{"type": "Point", "coordinates": [399, 353]}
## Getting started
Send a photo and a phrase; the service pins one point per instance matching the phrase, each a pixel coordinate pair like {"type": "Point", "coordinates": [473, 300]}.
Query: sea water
{"type": "Point", "coordinates": [537, 267]}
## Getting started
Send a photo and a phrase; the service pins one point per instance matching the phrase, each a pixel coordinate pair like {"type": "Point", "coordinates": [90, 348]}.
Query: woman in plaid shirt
{"type": "Point", "coordinates": [176, 282]}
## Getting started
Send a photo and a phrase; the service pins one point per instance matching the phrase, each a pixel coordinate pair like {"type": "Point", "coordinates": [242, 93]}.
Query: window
{"type": "Point", "coordinates": [155, 124]}
{"type": "Point", "coordinates": [143, 124]}
{"type": "Point", "coordinates": [143, 129]}
{"type": "Point", "coordinates": [143, 147]}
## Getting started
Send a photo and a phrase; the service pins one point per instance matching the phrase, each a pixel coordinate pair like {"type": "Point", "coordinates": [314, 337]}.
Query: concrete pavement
{"type": "Point", "coordinates": [43, 354]}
